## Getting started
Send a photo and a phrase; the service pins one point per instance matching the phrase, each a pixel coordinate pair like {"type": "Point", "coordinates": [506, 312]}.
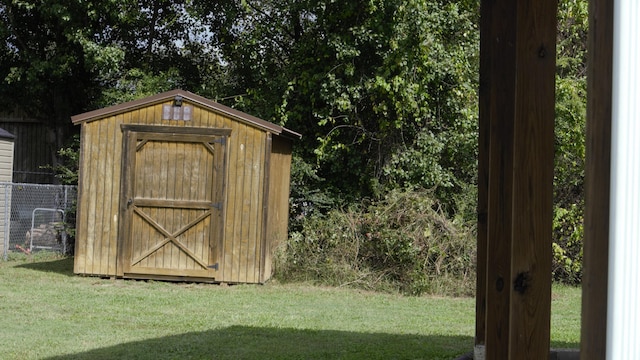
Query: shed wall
{"type": "Point", "coordinates": [100, 177]}
{"type": "Point", "coordinates": [6, 171]}
{"type": "Point", "coordinates": [278, 202]}
{"type": "Point", "coordinates": [6, 160]}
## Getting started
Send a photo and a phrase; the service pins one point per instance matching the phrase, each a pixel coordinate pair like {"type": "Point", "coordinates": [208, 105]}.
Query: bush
{"type": "Point", "coordinates": [568, 232]}
{"type": "Point", "coordinates": [66, 172]}
{"type": "Point", "coordinates": [403, 242]}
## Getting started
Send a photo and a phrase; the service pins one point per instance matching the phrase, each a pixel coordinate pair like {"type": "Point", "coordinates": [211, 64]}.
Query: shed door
{"type": "Point", "coordinates": [173, 198]}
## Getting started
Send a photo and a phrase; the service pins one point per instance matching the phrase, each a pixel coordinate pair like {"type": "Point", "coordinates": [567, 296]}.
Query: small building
{"type": "Point", "coordinates": [178, 187]}
{"type": "Point", "coordinates": [6, 175]}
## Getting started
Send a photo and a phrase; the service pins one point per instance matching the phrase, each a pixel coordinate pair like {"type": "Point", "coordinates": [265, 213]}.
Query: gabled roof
{"type": "Point", "coordinates": [186, 96]}
{"type": "Point", "coordinates": [4, 134]}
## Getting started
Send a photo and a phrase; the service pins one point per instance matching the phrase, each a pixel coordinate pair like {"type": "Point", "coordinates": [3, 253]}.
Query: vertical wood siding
{"type": "Point", "coordinates": [97, 221]}
{"type": "Point", "coordinates": [6, 171]}
{"type": "Point", "coordinates": [278, 201]}
{"type": "Point", "coordinates": [244, 203]}
{"type": "Point", "coordinates": [240, 248]}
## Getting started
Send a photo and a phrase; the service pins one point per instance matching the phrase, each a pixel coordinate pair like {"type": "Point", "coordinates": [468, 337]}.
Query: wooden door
{"type": "Point", "coordinates": [173, 186]}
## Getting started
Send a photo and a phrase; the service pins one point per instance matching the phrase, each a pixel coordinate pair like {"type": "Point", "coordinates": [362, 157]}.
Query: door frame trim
{"type": "Point", "coordinates": [128, 164]}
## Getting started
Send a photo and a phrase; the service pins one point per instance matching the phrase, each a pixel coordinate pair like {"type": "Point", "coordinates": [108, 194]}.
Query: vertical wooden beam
{"type": "Point", "coordinates": [597, 181]}
{"type": "Point", "coordinates": [518, 57]}
{"type": "Point", "coordinates": [533, 179]}
{"type": "Point", "coordinates": [483, 181]}
{"type": "Point", "coordinates": [500, 54]}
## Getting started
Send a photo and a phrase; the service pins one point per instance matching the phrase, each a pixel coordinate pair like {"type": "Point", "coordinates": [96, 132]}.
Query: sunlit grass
{"type": "Point", "coordinates": [47, 312]}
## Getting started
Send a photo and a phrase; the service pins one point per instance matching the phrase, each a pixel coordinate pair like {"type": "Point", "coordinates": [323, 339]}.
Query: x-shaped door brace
{"type": "Point", "coordinates": [170, 237]}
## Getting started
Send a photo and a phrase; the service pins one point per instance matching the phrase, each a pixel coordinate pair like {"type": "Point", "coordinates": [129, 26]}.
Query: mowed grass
{"type": "Point", "coordinates": [48, 313]}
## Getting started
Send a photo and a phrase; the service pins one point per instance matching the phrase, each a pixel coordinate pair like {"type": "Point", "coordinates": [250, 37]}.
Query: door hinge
{"type": "Point", "coordinates": [214, 266]}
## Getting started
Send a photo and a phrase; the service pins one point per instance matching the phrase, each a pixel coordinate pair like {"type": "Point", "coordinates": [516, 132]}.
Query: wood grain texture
{"type": "Point", "coordinates": [101, 247]}
{"type": "Point", "coordinates": [172, 173]}
{"type": "Point", "coordinates": [533, 179]}
{"type": "Point", "coordinates": [484, 119]}
{"type": "Point", "coordinates": [501, 109]}
{"type": "Point", "coordinates": [517, 91]}
{"type": "Point", "coordinates": [171, 209]}
{"type": "Point", "coordinates": [80, 247]}
{"type": "Point", "coordinates": [277, 212]}
{"type": "Point", "coordinates": [234, 207]}
{"type": "Point", "coordinates": [597, 181]}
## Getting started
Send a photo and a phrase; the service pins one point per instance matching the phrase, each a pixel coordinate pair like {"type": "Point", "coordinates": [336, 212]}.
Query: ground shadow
{"type": "Point", "coordinates": [241, 342]}
{"type": "Point", "coordinates": [62, 266]}
{"type": "Point", "coordinates": [564, 345]}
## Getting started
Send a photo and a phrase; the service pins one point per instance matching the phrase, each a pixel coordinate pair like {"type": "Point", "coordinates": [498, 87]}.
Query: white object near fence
{"type": "Point", "coordinates": [46, 234]}
{"type": "Point", "coordinates": [32, 217]}
{"type": "Point", "coordinates": [623, 320]}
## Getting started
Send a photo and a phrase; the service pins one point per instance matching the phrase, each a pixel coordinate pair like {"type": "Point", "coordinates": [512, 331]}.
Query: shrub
{"type": "Point", "coordinates": [403, 242]}
{"type": "Point", "coordinates": [568, 232]}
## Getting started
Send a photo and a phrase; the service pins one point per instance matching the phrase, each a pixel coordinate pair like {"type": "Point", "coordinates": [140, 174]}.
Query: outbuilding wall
{"type": "Point", "coordinates": [246, 245]}
{"type": "Point", "coordinates": [6, 171]}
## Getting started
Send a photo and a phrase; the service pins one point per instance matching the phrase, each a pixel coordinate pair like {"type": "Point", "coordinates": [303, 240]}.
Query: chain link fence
{"type": "Point", "coordinates": [34, 217]}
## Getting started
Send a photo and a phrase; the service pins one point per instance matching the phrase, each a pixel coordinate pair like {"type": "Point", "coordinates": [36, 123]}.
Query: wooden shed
{"type": "Point", "coordinates": [179, 187]}
{"type": "Point", "coordinates": [6, 175]}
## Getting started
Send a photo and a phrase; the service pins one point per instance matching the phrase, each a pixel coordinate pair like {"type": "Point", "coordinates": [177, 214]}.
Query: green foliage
{"type": "Point", "coordinates": [138, 83]}
{"type": "Point", "coordinates": [366, 82]}
{"type": "Point", "coordinates": [569, 179]}
{"type": "Point", "coordinates": [52, 57]}
{"type": "Point", "coordinates": [403, 242]}
{"type": "Point", "coordinates": [307, 196]}
{"type": "Point", "coordinates": [60, 58]}
{"type": "Point", "coordinates": [384, 93]}
{"type": "Point", "coordinates": [66, 171]}
{"type": "Point", "coordinates": [571, 94]}
{"type": "Point", "coordinates": [568, 232]}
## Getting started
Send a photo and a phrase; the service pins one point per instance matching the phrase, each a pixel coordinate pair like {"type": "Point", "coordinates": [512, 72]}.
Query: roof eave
{"type": "Point", "coordinates": [190, 97]}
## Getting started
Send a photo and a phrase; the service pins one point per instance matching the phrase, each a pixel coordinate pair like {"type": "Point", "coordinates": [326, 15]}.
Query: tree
{"type": "Point", "coordinates": [51, 58]}
{"type": "Point", "coordinates": [61, 57]}
{"type": "Point", "coordinates": [366, 82]}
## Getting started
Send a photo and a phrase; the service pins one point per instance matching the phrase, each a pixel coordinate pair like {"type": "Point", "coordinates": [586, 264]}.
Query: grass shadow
{"type": "Point", "coordinates": [63, 266]}
{"type": "Point", "coordinates": [242, 342]}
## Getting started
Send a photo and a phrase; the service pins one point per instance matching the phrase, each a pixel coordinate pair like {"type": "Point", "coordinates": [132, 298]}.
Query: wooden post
{"type": "Point", "coordinates": [483, 184]}
{"type": "Point", "coordinates": [597, 181]}
{"type": "Point", "coordinates": [517, 91]}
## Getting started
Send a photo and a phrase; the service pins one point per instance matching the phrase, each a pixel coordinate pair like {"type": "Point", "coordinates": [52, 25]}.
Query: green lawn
{"type": "Point", "coordinates": [48, 313]}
